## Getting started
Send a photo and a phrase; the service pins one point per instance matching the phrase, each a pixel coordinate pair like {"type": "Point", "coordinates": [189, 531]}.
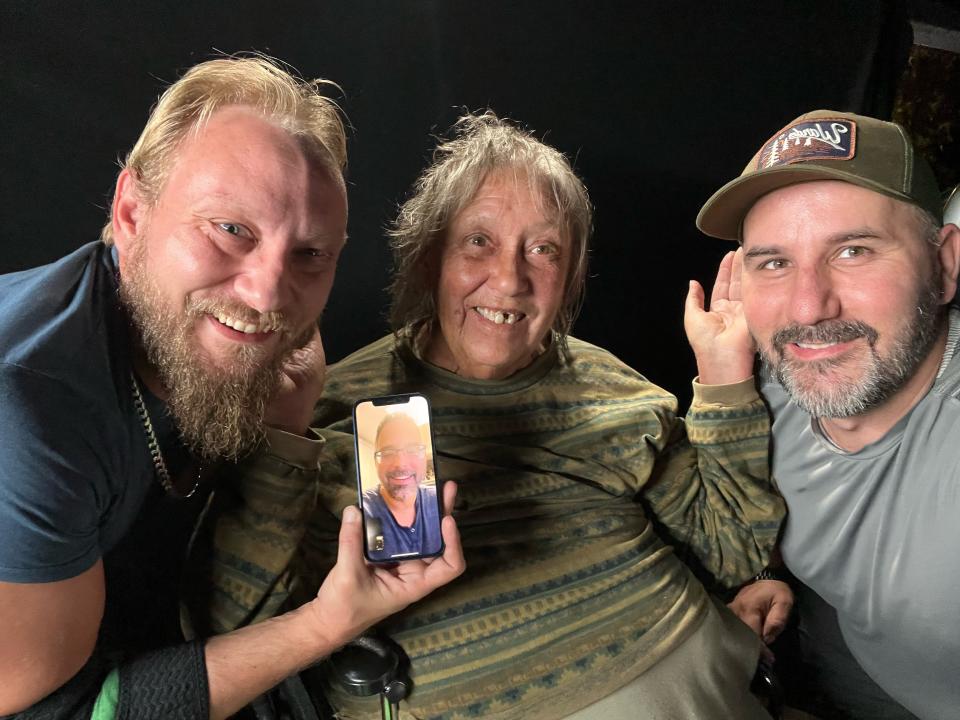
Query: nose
{"type": "Point", "coordinates": [509, 274]}
{"type": "Point", "coordinates": [396, 466]}
{"type": "Point", "coordinates": [264, 282]}
{"type": "Point", "coordinates": [813, 297]}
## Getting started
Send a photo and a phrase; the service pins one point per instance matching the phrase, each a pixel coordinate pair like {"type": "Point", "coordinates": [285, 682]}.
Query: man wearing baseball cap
{"type": "Point", "coordinates": [845, 276]}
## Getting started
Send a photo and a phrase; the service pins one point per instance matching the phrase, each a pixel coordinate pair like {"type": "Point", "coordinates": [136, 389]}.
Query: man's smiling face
{"type": "Point", "coordinates": [228, 271]}
{"type": "Point", "coordinates": [841, 292]}
{"type": "Point", "coordinates": [401, 458]}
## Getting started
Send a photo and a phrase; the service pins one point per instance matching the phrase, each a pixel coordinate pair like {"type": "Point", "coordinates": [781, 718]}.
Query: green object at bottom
{"type": "Point", "coordinates": [106, 706]}
{"type": "Point", "coordinates": [389, 710]}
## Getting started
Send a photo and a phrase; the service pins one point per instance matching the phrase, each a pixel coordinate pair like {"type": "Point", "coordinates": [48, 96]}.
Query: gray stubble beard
{"type": "Point", "coordinates": [878, 378]}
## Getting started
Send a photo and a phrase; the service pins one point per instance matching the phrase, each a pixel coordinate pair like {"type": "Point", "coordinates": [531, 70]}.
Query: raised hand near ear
{"type": "Point", "coordinates": [718, 335]}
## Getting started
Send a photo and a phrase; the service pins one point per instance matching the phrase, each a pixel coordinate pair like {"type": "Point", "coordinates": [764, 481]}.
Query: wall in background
{"type": "Point", "coordinates": [658, 103]}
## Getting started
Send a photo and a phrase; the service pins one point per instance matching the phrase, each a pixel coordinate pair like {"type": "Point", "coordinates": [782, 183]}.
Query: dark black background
{"type": "Point", "coordinates": [657, 102]}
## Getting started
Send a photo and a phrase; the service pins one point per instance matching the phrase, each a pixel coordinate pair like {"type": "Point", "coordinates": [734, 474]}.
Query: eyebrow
{"type": "Point", "coordinates": [864, 233]}
{"type": "Point", "coordinates": [321, 238]}
{"type": "Point", "coordinates": [483, 217]}
{"type": "Point", "coordinates": [233, 206]}
{"type": "Point", "coordinates": [762, 251]}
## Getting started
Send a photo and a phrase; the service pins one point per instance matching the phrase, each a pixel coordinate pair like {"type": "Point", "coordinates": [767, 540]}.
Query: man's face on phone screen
{"type": "Point", "coordinates": [401, 458]}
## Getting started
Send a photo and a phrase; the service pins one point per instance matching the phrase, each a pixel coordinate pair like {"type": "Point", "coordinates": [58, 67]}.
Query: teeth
{"type": "Point", "coordinates": [240, 325]}
{"type": "Point", "coordinates": [500, 317]}
{"type": "Point", "coordinates": [815, 346]}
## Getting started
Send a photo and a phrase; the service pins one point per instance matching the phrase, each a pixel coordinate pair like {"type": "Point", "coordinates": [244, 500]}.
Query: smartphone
{"type": "Point", "coordinates": [399, 493]}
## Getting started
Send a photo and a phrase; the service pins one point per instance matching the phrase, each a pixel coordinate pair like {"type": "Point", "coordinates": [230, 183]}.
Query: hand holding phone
{"type": "Point", "coordinates": [396, 478]}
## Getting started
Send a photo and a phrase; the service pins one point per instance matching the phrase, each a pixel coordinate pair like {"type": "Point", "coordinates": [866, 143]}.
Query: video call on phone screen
{"type": "Point", "coordinates": [397, 478]}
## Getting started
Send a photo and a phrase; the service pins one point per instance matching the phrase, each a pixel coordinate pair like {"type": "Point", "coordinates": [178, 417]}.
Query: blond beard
{"type": "Point", "coordinates": [218, 409]}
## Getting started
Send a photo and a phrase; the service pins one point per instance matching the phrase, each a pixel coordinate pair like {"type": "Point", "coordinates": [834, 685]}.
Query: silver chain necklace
{"type": "Point", "coordinates": [163, 475]}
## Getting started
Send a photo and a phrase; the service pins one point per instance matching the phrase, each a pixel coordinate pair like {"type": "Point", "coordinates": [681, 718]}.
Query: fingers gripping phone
{"type": "Point", "coordinates": [397, 478]}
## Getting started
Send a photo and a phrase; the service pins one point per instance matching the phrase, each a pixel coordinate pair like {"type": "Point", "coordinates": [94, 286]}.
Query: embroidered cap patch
{"type": "Point", "coordinates": [821, 139]}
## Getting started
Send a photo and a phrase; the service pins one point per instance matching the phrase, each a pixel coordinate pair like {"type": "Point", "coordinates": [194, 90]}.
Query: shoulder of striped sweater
{"type": "Point", "coordinates": [600, 367]}
{"type": "Point", "coordinates": [595, 358]}
{"type": "Point", "coordinates": [581, 348]}
{"type": "Point", "coordinates": [371, 363]}
{"type": "Point", "coordinates": [375, 351]}
{"type": "Point", "coordinates": [359, 375]}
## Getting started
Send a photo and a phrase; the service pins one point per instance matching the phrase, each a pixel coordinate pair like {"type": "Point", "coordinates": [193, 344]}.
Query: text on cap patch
{"type": "Point", "coordinates": [822, 139]}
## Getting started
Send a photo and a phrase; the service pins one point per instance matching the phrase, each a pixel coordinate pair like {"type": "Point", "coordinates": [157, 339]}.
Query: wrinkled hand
{"type": "Point", "coordinates": [765, 607]}
{"type": "Point", "coordinates": [719, 336]}
{"type": "Point", "coordinates": [357, 594]}
{"type": "Point", "coordinates": [301, 385]}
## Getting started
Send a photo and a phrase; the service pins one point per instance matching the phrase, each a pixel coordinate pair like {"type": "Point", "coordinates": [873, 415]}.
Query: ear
{"type": "Point", "coordinates": [949, 254]}
{"type": "Point", "coordinates": [129, 214]}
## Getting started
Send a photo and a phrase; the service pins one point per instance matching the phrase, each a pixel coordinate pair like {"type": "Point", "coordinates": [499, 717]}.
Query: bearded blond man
{"type": "Point", "coordinates": [133, 367]}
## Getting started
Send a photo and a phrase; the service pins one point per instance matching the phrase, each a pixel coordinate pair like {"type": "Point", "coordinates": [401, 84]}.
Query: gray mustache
{"type": "Point", "coordinates": [826, 332]}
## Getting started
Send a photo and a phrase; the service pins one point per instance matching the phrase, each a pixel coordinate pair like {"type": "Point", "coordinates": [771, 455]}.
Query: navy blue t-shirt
{"type": "Point", "coordinates": [423, 537]}
{"type": "Point", "coordinates": [76, 477]}
{"type": "Point", "coordinates": [72, 465]}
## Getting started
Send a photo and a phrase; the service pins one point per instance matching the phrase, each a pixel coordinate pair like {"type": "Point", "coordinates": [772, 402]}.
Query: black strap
{"type": "Point", "coordinates": [168, 684]}
{"type": "Point", "coordinates": [158, 685]}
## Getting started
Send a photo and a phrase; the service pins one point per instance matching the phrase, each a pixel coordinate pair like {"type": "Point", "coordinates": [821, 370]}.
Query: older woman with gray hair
{"type": "Point", "coordinates": [579, 487]}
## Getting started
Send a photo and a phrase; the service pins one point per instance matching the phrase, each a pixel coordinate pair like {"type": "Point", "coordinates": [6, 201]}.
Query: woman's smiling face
{"type": "Point", "coordinates": [502, 273]}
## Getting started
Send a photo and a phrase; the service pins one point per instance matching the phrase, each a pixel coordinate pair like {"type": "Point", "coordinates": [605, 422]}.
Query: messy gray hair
{"type": "Point", "coordinates": [478, 145]}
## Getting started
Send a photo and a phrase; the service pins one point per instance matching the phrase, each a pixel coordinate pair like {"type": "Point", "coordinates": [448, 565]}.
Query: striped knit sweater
{"type": "Point", "coordinates": [564, 469]}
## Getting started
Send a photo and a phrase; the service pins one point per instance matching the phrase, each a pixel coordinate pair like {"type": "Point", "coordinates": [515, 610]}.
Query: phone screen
{"type": "Point", "coordinates": [397, 478]}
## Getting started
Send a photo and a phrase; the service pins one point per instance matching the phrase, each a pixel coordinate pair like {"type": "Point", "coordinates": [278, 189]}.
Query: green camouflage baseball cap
{"type": "Point", "coordinates": [825, 145]}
